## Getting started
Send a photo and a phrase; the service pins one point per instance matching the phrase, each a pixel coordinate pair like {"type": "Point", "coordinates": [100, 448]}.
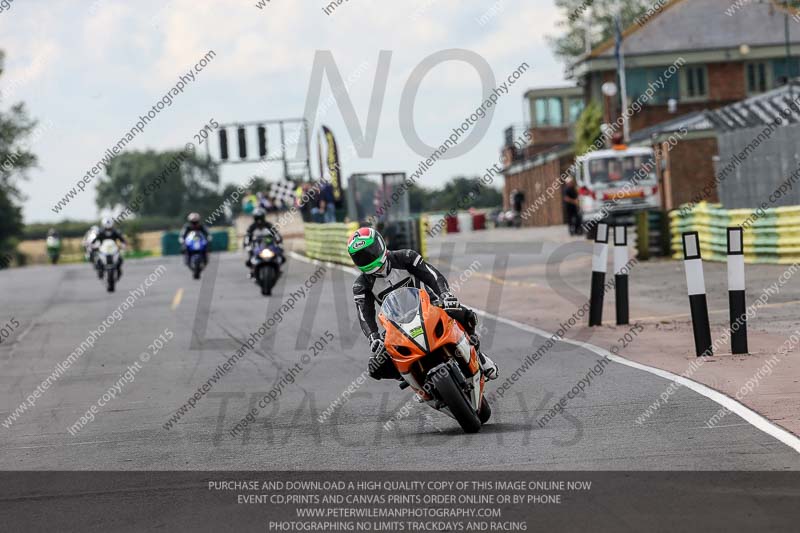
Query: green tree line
{"type": "Point", "coordinates": [452, 194]}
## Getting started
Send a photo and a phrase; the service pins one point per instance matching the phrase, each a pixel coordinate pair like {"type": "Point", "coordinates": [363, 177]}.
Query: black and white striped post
{"type": "Point", "coordinates": [697, 293]}
{"type": "Point", "coordinates": [738, 309]}
{"type": "Point", "coordinates": [621, 273]}
{"type": "Point", "coordinates": [599, 262]}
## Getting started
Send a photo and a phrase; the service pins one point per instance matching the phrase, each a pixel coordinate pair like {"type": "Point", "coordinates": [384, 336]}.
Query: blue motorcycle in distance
{"type": "Point", "coordinates": [266, 258]}
{"type": "Point", "coordinates": [196, 252]}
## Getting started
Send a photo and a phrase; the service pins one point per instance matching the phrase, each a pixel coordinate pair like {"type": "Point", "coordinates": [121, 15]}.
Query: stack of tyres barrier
{"type": "Point", "coordinates": [436, 224]}
{"type": "Point", "coordinates": [234, 242]}
{"type": "Point", "coordinates": [770, 236]}
{"type": "Point", "coordinates": [424, 226]}
{"type": "Point", "coordinates": [648, 232]}
{"type": "Point", "coordinates": [408, 233]}
{"type": "Point", "coordinates": [220, 241]}
{"type": "Point", "coordinates": [171, 244]}
{"type": "Point", "coordinates": [402, 234]}
{"type": "Point", "coordinates": [328, 242]}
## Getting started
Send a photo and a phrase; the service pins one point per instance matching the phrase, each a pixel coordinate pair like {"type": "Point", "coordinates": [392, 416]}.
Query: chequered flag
{"type": "Point", "coordinates": [282, 191]}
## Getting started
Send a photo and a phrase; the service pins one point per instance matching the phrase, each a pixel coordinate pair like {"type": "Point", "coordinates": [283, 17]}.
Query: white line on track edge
{"type": "Point", "coordinates": [750, 416]}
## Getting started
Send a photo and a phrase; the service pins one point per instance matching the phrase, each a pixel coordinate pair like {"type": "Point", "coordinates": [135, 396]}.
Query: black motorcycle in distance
{"type": "Point", "coordinates": [266, 258]}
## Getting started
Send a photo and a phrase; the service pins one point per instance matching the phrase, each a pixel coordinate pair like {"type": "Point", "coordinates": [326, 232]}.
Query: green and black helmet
{"type": "Point", "coordinates": [367, 249]}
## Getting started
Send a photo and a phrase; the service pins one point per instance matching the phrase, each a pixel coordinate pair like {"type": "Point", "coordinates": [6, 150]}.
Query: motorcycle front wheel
{"type": "Point", "coordinates": [197, 266]}
{"type": "Point", "coordinates": [455, 398]}
{"type": "Point", "coordinates": [485, 412]}
{"type": "Point", "coordinates": [111, 279]}
{"type": "Point", "coordinates": [268, 278]}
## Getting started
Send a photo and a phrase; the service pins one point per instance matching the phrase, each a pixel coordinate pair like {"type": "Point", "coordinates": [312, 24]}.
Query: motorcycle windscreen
{"type": "Point", "coordinates": [195, 241]}
{"type": "Point", "coordinates": [263, 236]}
{"type": "Point", "coordinates": [108, 247]}
{"type": "Point", "coordinates": [402, 305]}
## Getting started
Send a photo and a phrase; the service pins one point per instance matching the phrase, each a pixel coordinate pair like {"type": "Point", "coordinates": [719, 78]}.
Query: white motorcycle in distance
{"type": "Point", "coordinates": [90, 247]}
{"type": "Point", "coordinates": [108, 263]}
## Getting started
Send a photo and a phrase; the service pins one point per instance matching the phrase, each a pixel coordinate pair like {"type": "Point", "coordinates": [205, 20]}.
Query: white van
{"type": "Point", "coordinates": [616, 182]}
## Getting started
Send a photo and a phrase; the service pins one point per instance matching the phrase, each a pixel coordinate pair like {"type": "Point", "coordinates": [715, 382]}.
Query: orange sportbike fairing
{"type": "Point", "coordinates": [437, 331]}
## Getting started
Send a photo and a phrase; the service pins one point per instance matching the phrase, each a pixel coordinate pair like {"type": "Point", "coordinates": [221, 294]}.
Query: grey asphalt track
{"type": "Point", "coordinates": [58, 306]}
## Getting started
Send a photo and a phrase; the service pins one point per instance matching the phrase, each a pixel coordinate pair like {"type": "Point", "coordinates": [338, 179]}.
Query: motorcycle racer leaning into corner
{"type": "Point", "coordinates": [383, 271]}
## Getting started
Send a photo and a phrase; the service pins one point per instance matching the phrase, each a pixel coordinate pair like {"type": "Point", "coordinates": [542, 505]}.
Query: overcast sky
{"type": "Point", "coordinates": [88, 69]}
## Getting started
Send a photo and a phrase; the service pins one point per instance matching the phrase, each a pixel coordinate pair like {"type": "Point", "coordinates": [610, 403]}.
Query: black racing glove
{"type": "Point", "coordinates": [378, 357]}
{"type": "Point", "coordinates": [376, 343]}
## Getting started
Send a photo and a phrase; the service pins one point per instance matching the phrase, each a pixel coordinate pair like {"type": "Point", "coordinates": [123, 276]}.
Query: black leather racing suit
{"type": "Point", "coordinates": [406, 268]}
{"type": "Point", "coordinates": [262, 225]}
{"type": "Point", "coordinates": [114, 234]}
{"type": "Point", "coordinates": [266, 225]}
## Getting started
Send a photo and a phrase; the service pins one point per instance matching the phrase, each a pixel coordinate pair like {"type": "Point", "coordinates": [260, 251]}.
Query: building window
{"type": "Point", "coordinates": [694, 83]}
{"type": "Point", "coordinates": [757, 79]}
{"type": "Point", "coordinates": [549, 111]}
{"type": "Point", "coordinates": [643, 81]}
{"type": "Point", "coordinates": [575, 109]}
{"type": "Point", "coordinates": [780, 74]}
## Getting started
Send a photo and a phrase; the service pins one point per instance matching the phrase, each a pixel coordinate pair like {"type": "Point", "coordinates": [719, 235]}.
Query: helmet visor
{"type": "Point", "coordinates": [364, 255]}
{"type": "Point", "coordinates": [373, 266]}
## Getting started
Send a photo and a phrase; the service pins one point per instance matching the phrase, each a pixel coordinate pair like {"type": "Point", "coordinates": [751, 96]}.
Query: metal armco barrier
{"type": "Point", "coordinates": [772, 236]}
{"type": "Point", "coordinates": [738, 307]}
{"type": "Point", "coordinates": [621, 274]}
{"type": "Point", "coordinates": [328, 242]}
{"type": "Point", "coordinates": [696, 285]}
{"type": "Point", "coordinates": [599, 261]}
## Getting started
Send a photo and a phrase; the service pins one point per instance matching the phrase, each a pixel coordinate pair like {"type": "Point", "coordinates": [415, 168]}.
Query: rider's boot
{"type": "Point", "coordinates": [488, 366]}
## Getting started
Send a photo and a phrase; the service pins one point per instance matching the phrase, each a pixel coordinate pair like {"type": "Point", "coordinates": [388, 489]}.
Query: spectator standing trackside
{"type": "Point", "coordinates": [572, 207]}
{"type": "Point", "coordinates": [268, 204]}
{"type": "Point", "coordinates": [326, 204]}
{"type": "Point", "coordinates": [316, 205]}
{"type": "Point", "coordinates": [517, 200]}
{"type": "Point", "coordinates": [304, 202]}
{"type": "Point", "coordinates": [249, 203]}
{"type": "Point", "coordinates": [263, 203]}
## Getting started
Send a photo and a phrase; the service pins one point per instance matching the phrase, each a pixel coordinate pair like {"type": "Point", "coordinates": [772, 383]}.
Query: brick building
{"type": "Point", "coordinates": [717, 58]}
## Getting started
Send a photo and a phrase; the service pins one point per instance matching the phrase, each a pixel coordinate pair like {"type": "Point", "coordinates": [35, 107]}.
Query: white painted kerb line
{"type": "Point", "coordinates": [750, 416]}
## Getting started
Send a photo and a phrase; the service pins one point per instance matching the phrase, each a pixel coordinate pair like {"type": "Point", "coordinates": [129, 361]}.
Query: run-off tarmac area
{"type": "Point", "coordinates": [58, 307]}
